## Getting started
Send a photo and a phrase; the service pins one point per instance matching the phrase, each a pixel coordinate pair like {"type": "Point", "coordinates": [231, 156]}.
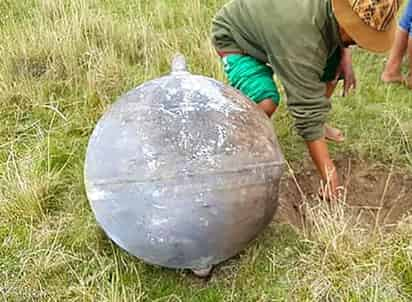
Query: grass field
{"type": "Point", "coordinates": [62, 63]}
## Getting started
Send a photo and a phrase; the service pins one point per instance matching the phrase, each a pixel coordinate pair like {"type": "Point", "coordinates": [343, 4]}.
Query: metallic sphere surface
{"type": "Point", "coordinates": [183, 171]}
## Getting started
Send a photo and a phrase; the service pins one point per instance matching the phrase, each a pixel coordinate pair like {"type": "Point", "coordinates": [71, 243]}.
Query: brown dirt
{"type": "Point", "coordinates": [379, 193]}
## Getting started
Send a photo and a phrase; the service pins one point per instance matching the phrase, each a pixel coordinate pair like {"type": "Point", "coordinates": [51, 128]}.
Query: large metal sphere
{"type": "Point", "coordinates": [183, 171]}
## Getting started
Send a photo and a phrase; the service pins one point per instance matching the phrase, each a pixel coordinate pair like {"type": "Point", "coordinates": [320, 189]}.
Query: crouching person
{"type": "Point", "coordinates": [305, 43]}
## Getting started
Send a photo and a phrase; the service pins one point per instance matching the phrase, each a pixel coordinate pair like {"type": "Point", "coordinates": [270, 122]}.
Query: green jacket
{"type": "Point", "coordinates": [296, 37]}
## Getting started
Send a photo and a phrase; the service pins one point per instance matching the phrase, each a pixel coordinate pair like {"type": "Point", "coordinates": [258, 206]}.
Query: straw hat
{"type": "Point", "coordinates": [370, 23]}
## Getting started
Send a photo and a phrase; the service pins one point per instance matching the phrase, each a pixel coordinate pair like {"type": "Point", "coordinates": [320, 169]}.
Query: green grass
{"type": "Point", "coordinates": [62, 63]}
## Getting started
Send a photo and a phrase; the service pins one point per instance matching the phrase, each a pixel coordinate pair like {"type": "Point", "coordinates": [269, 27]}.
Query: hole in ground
{"type": "Point", "coordinates": [379, 193]}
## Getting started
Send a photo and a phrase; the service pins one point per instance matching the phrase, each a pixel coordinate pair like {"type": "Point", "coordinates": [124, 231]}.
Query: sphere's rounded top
{"type": "Point", "coordinates": [179, 64]}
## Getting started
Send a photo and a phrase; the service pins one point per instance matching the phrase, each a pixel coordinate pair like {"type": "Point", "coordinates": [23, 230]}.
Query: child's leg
{"type": "Point", "coordinates": [254, 79]}
{"type": "Point", "coordinates": [409, 79]}
{"type": "Point", "coordinates": [268, 106]}
{"type": "Point", "coordinates": [392, 71]}
{"type": "Point", "coordinates": [331, 133]}
{"type": "Point", "coordinates": [331, 80]}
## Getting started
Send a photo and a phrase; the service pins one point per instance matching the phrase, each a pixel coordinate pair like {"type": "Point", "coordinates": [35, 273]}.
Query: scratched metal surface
{"type": "Point", "coordinates": [182, 171]}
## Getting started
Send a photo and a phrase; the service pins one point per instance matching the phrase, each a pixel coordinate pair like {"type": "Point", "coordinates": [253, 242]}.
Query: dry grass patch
{"type": "Point", "coordinates": [346, 259]}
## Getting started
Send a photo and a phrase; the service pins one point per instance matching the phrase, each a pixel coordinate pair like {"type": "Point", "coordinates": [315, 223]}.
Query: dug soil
{"type": "Point", "coordinates": [376, 192]}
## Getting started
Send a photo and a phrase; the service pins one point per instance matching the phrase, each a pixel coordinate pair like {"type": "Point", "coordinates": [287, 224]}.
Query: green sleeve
{"type": "Point", "coordinates": [305, 95]}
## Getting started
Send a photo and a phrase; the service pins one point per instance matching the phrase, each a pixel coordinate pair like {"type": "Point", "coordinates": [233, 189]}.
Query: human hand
{"type": "Point", "coordinates": [345, 69]}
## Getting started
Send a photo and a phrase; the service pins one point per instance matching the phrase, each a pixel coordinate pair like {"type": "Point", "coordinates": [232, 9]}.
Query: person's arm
{"type": "Point", "coordinates": [318, 150]}
{"type": "Point", "coordinates": [309, 107]}
{"type": "Point", "coordinates": [346, 71]}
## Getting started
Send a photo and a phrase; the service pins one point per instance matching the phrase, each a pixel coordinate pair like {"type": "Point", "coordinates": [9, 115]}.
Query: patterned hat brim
{"type": "Point", "coordinates": [364, 35]}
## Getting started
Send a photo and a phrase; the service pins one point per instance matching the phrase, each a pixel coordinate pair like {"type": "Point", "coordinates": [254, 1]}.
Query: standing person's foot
{"type": "Point", "coordinates": [334, 134]}
{"type": "Point", "coordinates": [388, 77]}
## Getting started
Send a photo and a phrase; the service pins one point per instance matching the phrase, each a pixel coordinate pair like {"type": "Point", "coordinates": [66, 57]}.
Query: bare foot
{"type": "Point", "coordinates": [392, 78]}
{"type": "Point", "coordinates": [334, 134]}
